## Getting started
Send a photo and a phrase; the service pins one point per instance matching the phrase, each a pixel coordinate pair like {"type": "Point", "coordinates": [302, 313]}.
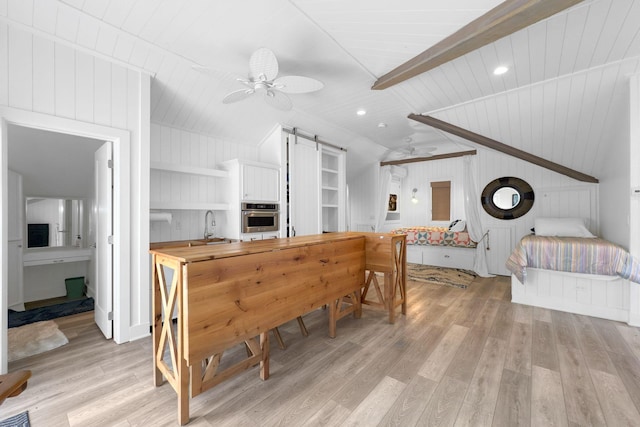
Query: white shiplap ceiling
{"type": "Point", "coordinates": [566, 89]}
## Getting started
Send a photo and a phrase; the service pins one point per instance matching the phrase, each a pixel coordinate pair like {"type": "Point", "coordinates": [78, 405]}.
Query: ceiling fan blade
{"type": "Point", "coordinates": [278, 100]}
{"type": "Point", "coordinates": [237, 95]}
{"type": "Point", "coordinates": [263, 65]}
{"type": "Point", "coordinates": [297, 84]}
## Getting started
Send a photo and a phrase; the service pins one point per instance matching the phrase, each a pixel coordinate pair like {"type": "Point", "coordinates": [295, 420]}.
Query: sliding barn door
{"type": "Point", "coordinates": [304, 187]}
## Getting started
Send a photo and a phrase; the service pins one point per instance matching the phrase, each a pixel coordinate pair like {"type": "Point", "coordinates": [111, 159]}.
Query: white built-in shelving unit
{"type": "Point", "coordinates": [332, 184]}
{"type": "Point", "coordinates": [189, 170]}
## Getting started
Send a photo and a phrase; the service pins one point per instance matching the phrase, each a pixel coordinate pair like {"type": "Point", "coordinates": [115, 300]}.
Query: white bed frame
{"type": "Point", "coordinates": [607, 297]}
{"type": "Point", "coordinates": [441, 256]}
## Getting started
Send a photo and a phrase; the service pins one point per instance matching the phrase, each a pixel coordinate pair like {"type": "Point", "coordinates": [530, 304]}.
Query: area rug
{"type": "Point", "coordinates": [456, 277]}
{"type": "Point", "coordinates": [19, 318]}
{"type": "Point", "coordinates": [19, 420]}
{"type": "Point", "coordinates": [34, 338]}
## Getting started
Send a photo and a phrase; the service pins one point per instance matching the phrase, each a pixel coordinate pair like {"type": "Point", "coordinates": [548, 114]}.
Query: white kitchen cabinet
{"type": "Point", "coordinates": [260, 183]}
{"type": "Point", "coordinates": [248, 181]}
{"type": "Point", "coordinates": [251, 237]}
{"type": "Point", "coordinates": [317, 187]}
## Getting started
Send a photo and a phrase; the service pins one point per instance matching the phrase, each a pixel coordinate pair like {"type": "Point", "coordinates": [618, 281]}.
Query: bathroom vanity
{"type": "Point", "coordinates": [45, 270]}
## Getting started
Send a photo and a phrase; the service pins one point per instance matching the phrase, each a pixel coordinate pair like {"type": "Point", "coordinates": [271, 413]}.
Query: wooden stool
{"type": "Point", "coordinates": [303, 331]}
{"type": "Point", "coordinates": [386, 254]}
{"type": "Point", "coordinates": [13, 384]}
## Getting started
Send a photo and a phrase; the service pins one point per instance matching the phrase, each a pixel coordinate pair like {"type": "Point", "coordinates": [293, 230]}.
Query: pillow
{"type": "Point", "coordinates": [457, 225]}
{"type": "Point", "coordinates": [561, 227]}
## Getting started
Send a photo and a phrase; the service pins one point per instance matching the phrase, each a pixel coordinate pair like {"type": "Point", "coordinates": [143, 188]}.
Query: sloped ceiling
{"type": "Point", "coordinates": [565, 93]}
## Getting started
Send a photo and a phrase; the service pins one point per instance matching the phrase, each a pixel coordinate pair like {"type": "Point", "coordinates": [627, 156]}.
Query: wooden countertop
{"type": "Point", "coordinates": [207, 252]}
{"type": "Point", "coordinates": [188, 243]}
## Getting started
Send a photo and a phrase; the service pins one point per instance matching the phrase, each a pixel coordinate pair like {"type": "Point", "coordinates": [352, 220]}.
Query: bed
{"type": "Point", "coordinates": [441, 246]}
{"type": "Point", "coordinates": [582, 275]}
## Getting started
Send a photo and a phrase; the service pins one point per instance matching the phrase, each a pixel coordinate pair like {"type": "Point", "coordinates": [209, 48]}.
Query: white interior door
{"type": "Point", "coordinates": [103, 256]}
{"type": "Point", "coordinates": [304, 187]}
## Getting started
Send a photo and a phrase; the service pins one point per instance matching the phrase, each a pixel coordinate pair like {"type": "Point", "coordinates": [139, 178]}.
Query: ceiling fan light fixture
{"type": "Point", "coordinates": [263, 78]}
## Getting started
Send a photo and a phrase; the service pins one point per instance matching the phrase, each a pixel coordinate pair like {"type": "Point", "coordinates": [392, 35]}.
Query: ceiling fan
{"type": "Point", "coordinates": [411, 151]}
{"type": "Point", "coordinates": [263, 72]}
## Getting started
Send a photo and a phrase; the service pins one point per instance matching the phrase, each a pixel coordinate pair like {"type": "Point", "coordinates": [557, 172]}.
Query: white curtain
{"type": "Point", "coordinates": [382, 201]}
{"type": "Point", "coordinates": [474, 226]}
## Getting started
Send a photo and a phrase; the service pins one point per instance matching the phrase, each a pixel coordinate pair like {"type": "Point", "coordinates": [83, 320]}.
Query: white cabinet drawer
{"type": "Point", "coordinates": [448, 257]}
{"type": "Point", "coordinates": [55, 256]}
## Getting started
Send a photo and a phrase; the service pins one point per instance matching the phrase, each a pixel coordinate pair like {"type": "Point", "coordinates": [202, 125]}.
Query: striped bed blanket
{"type": "Point", "coordinates": [436, 236]}
{"type": "Point", "coordinates": [572, 254]}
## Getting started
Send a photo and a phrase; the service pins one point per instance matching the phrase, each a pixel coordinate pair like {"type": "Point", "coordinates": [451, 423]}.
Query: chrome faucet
{"type": "Point", "coordinates": [207, 233]}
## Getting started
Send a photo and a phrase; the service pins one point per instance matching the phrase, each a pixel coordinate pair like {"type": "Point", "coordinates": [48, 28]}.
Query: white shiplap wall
{"type": "Point", "coordinates": [171, 145]}
{"type": "Point", "coordinates": [43, 74]}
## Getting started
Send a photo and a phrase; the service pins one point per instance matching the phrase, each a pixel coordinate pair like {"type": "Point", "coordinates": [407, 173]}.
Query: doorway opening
{"type": "Point", "coordinates": [54, 226]}
{"type": "Point", "coordinates": [121, 207]}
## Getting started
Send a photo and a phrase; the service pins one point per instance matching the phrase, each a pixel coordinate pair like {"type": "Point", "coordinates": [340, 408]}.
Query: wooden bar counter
{"type": "Point", "coordinates": [232, 293]}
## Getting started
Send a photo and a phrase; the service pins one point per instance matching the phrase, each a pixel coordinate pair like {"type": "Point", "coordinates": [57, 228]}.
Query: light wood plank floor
{"type": "Point", "coordinates": [463, 357]}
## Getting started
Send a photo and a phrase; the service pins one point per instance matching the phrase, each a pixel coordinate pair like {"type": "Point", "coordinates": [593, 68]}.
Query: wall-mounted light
{"type": "Point", "coordinates": [414, 200]}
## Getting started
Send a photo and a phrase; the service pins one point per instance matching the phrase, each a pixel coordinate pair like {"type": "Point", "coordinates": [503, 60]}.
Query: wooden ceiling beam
{"type": "Point", "coordinates": [426, 159]}
{"type": "Point", "coordinates": [504, 19]}
{"type": "Point", "coordinates": [503, 148]}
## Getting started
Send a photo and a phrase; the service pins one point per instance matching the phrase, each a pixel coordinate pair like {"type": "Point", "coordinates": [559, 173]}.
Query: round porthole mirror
{"type": "Point", "coordinates": [507, 198]}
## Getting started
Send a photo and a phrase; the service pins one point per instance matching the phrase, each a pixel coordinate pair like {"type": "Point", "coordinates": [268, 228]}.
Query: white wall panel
{"type": "Point", "coordinates": [102, 92]}
{"type": "Point", "coordinates": [119, 92]}
{"type": "Point", "coordinates": [4, 59]}
{"type": "Point", "coordinates": [84, 90]}
{"type": "Point", "coordinates": [20, 69]}
{"type": "Point", "coordinates": [65, 72]}
{"type": "Point", "coordinates": [43, 79]}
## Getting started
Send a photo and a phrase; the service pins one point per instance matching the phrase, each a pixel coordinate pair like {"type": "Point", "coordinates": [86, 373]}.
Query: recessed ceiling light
{"type": "Point", "coordinates": [361, 112]}
{"type": "Point", "coordinates": [382, 125]}
{"type": "Point", "coordinates": [500, 70]}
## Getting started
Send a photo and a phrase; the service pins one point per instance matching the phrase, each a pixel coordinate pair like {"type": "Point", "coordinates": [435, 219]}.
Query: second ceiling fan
{"type": "Point", "coordinates": [263, 78]}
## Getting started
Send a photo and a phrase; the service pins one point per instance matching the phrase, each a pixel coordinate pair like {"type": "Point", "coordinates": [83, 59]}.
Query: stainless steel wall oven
{"type": "Point", "coordinates": [260, 217]}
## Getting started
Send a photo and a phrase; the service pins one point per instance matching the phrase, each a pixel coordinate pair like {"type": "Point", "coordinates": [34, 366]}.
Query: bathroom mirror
{"type": "Point", "coordinates": [55, 222]}
{"type": "Point", "coordinates": [507, 198]}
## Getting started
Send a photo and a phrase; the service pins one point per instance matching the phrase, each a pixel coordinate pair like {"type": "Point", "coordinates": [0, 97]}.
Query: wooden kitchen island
{"type": "Point", "coordinates": [232, 293]}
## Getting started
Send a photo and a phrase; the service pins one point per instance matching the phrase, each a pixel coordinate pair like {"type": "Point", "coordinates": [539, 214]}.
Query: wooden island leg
{"type": "Point", "coordinates": [264, 361]}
